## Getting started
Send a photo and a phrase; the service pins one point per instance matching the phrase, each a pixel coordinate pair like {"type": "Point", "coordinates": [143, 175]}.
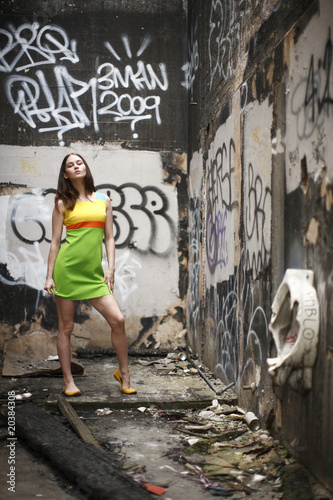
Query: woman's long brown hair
{"type": "Point", "coordinates": [66, 191]}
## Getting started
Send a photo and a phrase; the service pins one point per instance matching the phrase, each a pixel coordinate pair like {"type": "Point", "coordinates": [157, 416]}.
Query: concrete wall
{"type": "Point", "coordinates": [103, 79]}
{"type": "Point", "coordinates": [260, 200]}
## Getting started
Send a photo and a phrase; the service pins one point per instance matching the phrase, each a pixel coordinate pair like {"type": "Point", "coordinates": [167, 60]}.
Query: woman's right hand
{"type": "Point", "coordinates": [50, 285]}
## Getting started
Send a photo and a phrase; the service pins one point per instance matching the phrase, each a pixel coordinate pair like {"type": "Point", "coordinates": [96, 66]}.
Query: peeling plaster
{"type": "Point", "coordinates": [312, 232]}
{"type": "Point", "coordinates": [288, 47]}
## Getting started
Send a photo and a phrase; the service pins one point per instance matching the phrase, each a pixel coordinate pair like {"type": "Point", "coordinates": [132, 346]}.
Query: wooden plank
{"type": "Point", "coordinates": [96, 472]}
{"type": "Point", "coordinates": [80, 428]}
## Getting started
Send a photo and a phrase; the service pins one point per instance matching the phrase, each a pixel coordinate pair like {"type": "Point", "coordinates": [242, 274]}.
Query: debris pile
{"type": "Point", "coordinates": [217, 449]}
{"type": "Point", "coordinates": [221, 452]}
{"type": "Point", "coordinates": [226, 456]}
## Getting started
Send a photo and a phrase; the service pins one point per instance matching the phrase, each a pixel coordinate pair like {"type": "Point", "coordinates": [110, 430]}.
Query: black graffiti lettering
{"type": "Point", "coordinates": [234, 316]}
{"type": "Point", "coordinates": [255, 219]}
{"type": "Point", "coordinates": [20, 222]}
{"type": "Point", "coordinates": [311, 91]}
{"type": "Point", "coordinates": [311, 101]}
{"type": "Point", "coordinates": [141, 218]}
{"type": "Point", "coordinates": [195, 241]}
{"type": "Point", "coordinates": [326, 100]}
{"type": "Point", "coordinates": [219, 202]}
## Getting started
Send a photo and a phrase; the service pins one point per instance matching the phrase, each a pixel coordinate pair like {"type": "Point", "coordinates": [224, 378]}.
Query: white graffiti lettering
{"type": "Point", "coordinates": [57, 102]}
{"type": "Point", "coordinates": [192, 65]}
{"type": "Point", "coordinates": [125, 274]}
{"type": "Point", "coordinates": [231, 27]}
{"type": "Point", "coordinates": [31, 47]}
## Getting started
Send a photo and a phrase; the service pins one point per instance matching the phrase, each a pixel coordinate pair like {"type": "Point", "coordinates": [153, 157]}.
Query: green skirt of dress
{"type": "Point", "coordinates": [78, 271]}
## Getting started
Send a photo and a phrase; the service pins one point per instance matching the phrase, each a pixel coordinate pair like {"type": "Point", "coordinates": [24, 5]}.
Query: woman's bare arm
{"type": "Point", "coordinates": [57, 227]}
{"type": "Point", "coordinates": [109, 246]}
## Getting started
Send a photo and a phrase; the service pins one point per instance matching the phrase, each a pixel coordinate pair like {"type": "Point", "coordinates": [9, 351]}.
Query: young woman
{"type": "Point", "coordinates": [75, 270]}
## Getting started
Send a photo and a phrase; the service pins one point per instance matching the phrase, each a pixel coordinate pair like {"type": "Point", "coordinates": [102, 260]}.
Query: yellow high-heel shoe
{"type": "Point", "coordinates": [71, 394]}
{"type": "Point", "coordinates": [125, 391]}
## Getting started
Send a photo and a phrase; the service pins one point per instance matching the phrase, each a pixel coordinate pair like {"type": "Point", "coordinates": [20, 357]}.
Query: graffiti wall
{"type": "Point", "coordinates": [92, 72]}
{"type": "Point", "coordinates": [309, 214]}
{"type": "Point", "coordinates": [103, 86]}
{"type": "Point", "coordinates": [260, 200]}
{"type": "Point", "coordinates": [195, 223]}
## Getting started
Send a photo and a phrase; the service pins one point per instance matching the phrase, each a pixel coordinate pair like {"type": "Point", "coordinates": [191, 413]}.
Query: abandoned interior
{"type": "Point", "coordinates": [208, 124]}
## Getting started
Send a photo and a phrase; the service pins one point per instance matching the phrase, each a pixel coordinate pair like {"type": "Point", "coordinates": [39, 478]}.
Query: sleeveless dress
{"type": "Point", "coordinates": [78, 271]}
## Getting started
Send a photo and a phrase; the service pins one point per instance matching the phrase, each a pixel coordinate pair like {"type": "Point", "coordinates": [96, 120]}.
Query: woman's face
{"type": "Point", "coordinates": [75, 168]}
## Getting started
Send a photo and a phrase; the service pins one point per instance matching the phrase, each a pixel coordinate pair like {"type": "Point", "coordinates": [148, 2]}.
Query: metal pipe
{"type": "Point", "coordinates": [217, 391]}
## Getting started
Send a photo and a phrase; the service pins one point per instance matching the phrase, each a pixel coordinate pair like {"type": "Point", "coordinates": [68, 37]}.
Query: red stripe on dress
{"type": "Point", "coordinates": [88, 223]}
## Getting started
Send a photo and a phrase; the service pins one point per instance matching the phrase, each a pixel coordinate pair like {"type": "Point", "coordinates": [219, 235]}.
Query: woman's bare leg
{"type": "Point", "coordinates": [66, 310]}
{"type": "Point", "coordinates": [109, 309]}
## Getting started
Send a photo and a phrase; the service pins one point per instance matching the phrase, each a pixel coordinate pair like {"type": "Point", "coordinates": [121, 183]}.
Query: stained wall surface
{"type": "Point", "coordinates": [260, 201]}
{"type": "Point", "coordinates": [103, 79]}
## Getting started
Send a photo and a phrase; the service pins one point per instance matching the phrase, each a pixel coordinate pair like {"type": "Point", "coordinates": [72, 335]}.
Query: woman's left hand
{"type": "Point", "coordinates": [109, 279]}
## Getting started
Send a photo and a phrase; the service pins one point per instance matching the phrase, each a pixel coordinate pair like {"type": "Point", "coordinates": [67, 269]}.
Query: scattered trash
{"type": "Point", "coordinates": [192, 441]}
{"type": "Point", "coordinates": [219, 491]}
{"type": "Point", "coordinates": [252, 421]}
{"type": "Point", "coordinates": [265, 438]}
{"type": "Point", "coordinates": [26, 395]}
{"type": "Point", "coordinates": [195, 459]}
{"type": "Point", "coordinates": [129, 465]}
{"type": "Point", "coordinates": [144, 362]}
{"type": "Point", "coordinates": [257, 478]}
{"type": "Point", "coordinates": [52, 358]}
{"type": "Point", "coordinates": [103, 411]}
{"type": "Point", "coordinates": [206, 414]}
{"type": "Point", "coordinates": [157, 490]}
{"type": "Point", "coordinates": [199, 427]}
{"type": "Point", "coordinates": [215, 405]}
{"type": "Point", "coordinates": [228, 452]}
{"type": "Point", "coordinates": [172, 355]}
{"type": "Point", "coordinates": [142, 409]}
